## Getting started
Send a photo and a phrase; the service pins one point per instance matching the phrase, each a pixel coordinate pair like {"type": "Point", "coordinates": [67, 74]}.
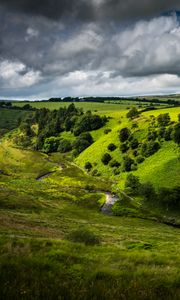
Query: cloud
{"type": "Point", "coordinates": [15, 75]}
{"type": "Point", "coordinates": [41, 57]}
{"type": "Point", "coordinates": [92, 10]}
{"type": "Point", "coordinates": [31, 33]}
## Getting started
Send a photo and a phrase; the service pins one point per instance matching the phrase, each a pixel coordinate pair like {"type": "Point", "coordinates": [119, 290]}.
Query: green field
{"type": "Point", "coordinates": [134, 258]}
{"type": "Point", "coordinates": [55, 241]}
{"type": "Point", "coordinates": [94, 106]}
{"type": "Point", "coordinates": [9, 118]}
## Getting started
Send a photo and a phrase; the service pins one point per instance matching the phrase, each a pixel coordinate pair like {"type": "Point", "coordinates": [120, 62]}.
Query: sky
{"type": "Point", "coordinates": [59, 48]}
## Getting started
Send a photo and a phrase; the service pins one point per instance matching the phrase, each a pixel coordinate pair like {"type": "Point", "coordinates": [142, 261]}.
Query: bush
{"type": "Point", "coordinates": [150, 148]}
{"type": "Point", "coordinates": [124, 134]}
{"type": "Point", "coordinates": [163, 119]}
{"type": "Point", "coordinates": [88, 122]}
{"type": "Point", "coordinates": [132, 113]}
{"type": "Point", "coordinates": [114, 163]}
{"type": "Point", "coordinates": [64, 146]}
{"type": "Point", "coordinates": [95, 173]}
{"type": "Point", "coordinates": [140, 159]}
{"type": "Point", "coordinates": [119, 210]}
{"type": "Point", "coordinates": [124, 147]}
{"type": "Point", "coordinates": [134, 144]}
{"type": "Point", "coordinates": [147, 191]}
{"type": "Point", "coordinates": [176, 133]}
{"type": "Point", "coordinates": [168, 133]}
{"type": "Point", "coordinates": [127, 163]}
{"type": "Point", "coordinates": [133, 183]}
{"type": "Point", "coordinates": [88, 166]}
{"type": "Point", "coordinates": [112, 147]}
{"type": "Point", "coordinates": [83, 142]}
{"type": "Point", "coordinates": [152, 135]}
{"type": "Point", "coordinates": [83, 235]}
{"type": "Point", "coordinates": [170, 198]}
{"type": "Point", "coordinates": [106, 158]}
{"type": "Point", "coordinates": [116, 171]}
{"type": "Point", "coordinates": [107, 130]}
{"type": "Point", "coordinates": [51, 144]}
{"type": "Point", "coordinates": [134, 167]}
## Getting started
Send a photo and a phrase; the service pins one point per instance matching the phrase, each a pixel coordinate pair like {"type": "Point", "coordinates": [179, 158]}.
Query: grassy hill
{"type": "Point", "coordinates": [56, 244]}
{"type": "Point", "coordinates": [162, 168]}
{"type": "Point", "coordinates": [55, 241]}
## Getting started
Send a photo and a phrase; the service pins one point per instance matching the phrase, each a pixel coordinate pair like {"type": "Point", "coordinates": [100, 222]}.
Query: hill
{"type": "Point", "coordinates": [52, 234]}
{"type": "Point", "coordinates": [55, 241]}
{"type": "Point", "coordinates": [160, 164]}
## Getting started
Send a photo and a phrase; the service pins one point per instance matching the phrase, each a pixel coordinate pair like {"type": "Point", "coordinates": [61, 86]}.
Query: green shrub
{"type": "Point", "coordinates": [64, 146]}
{"type": "Point", "coordinates": [114, 163]}
{"type": "Point", "coordinates": [176, 133]}
{"type": "Point", "coordinates": [88, 166]}
{"type": "Point", "coordinates": [112, 147]}
{"type": "Point", "coordinates": [140, 159]}
{"type": "Point", "coordinates": [106, 158]}
{"type": "Point", "coordinates": [127, 163]}
{"type": "Point", "coordinates": [117, 171]}
{"type": "Point", "coordinates": [124, 147]}
{"type": "Point", "coordinates": [107, 130]}
{"type": "Point", "coordinates": [119, 210]}
{"type": "Point", "coordinates": [83, 235]}
{"type": "Point", "coordinates": [132, 113]}
{"type": "Point", "coordinates": [134, 144]}
{"type": "Point", "coordinates": [147, 191]}
{"type": "Point", "coordinates": [163, 119]}
{"type": "Point", "coordinates": [124, 134]}
{"type": "Point", "coordinates": [133, 183]}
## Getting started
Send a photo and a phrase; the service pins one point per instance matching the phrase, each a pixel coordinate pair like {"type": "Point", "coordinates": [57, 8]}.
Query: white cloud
{"type": "Point", "coordinates": [16, 75]}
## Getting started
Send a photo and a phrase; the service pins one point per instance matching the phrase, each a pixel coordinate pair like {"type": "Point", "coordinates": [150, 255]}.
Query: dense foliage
{"type": "Point", "coordinates": [50, 125]}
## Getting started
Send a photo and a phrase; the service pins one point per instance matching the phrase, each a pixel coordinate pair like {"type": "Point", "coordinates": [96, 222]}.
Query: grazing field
{"type": "Point", "coordinates": [56, 244]}
{"type": "Point", "coordinates": [9, 118]}
{"type": "Point", "coordinates": [93, 106]}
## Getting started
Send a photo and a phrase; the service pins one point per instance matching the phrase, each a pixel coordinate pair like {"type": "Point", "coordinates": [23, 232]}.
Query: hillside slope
{"type": "Point", "coordinates": [162, 168]}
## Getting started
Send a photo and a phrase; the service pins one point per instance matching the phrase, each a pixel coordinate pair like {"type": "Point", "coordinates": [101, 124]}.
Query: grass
{"type": "Point", "coordinates": [46, 226]}
{"type": "Point", "coordinates": [94, 107]}
{"type": "Point", "coordinates": [9, 119]}
{"type": "Point", "coordinates": [162, 169]}
{"type": "Point", "coordinates": [44, 254]}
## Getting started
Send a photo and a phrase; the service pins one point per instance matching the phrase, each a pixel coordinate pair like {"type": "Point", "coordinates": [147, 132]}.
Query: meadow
{"type": "Point", "coordinates": [55, 243]}
{"type": "Point", "coordinates": [130, 259]}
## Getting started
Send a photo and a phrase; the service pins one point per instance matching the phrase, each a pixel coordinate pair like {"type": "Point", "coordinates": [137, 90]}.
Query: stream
{"type": "Point", "coordinates": [110, 198]}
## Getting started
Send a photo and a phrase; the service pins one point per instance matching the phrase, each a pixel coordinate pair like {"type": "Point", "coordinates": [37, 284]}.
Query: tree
{"type": "Point", "coordinates": [112, 147]}
{"type": "Point", "coordinates": [163, 119]}
{"type": "Point", "coordinates": [124, 147]}
{"type": "Point", "coordinates": [127, 163]}
{"type": "Point", "coordinates": [106, 158]}
{"type": "Point", "coordinates": [176, 134]}
{"type": "Point", "coordinates": [132, 113]}
{"type": "Point", "coordinates": [134, 144]}
{"type": "Point", "coordinates": [147, 191]}
{"type": "Point", "coordinates": [51, 144]}
{"type": "Point", "coordinates": [124, 134]}
{"type": "Point", "coordinates": [133, 183]}
{"type": "Point", "coordinates": [88, 166]}
{"type": "Point", "coordinates": [64, 146]}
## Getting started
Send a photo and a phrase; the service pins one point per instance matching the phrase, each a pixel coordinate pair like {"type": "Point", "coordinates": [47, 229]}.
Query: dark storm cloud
{"type": "Point", "coordinates": [53, 9]}
{"type": "Point", "coordinates": [92, 10]}
{"type": "Point", "coordinates": [42, 54]}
